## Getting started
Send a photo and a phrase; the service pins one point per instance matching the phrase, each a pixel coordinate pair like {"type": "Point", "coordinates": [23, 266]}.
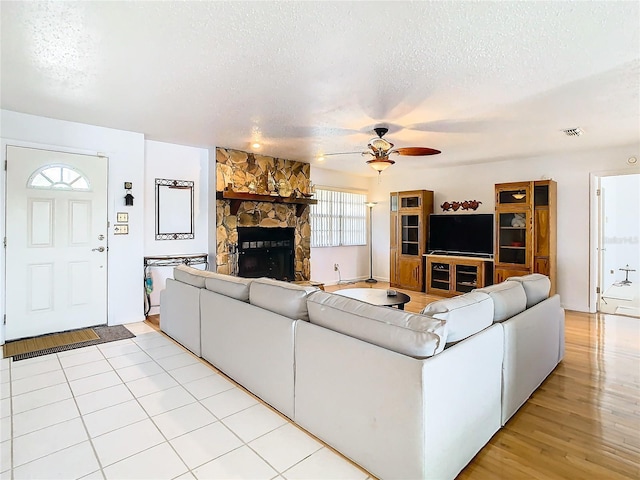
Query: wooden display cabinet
{"type": "Point", "coordinates": [409, 215]}
{"type": "Point", "coordinates": [526, 230]}
{"type": "Point", "coordinates": [393, 240]}
{"type": "Point", "coordinates": [449, 275]}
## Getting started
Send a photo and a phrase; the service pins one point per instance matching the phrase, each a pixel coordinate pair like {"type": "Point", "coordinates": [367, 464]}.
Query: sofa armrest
{"type": "Point", "coordinates": [180, 313]}
{"type": "Point", "coordinates": [533, 346]}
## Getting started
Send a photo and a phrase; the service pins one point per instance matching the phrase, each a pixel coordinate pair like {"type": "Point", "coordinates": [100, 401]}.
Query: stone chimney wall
{"type": "Point", "coordinates": [248, 172]}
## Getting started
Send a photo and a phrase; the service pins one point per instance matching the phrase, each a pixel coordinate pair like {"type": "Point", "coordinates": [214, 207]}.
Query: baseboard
{"type": "Point", "coordinates": [354, 280]}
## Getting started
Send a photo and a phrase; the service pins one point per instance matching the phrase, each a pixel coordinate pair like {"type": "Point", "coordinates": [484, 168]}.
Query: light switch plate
{"type": "Point", "coordinates": [122, 217]}
{"type": "Point", "coordinates": [121, 229]}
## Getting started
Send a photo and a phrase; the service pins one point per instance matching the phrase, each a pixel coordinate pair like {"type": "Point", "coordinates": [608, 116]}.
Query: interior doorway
{"type": "Point", "coordinates": [618, 264]}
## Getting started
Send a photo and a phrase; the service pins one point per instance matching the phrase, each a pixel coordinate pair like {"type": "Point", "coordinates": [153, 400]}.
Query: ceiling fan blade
{"type": "Point", "coordinates": [449, 126]}
{"type": "Point", "coordinates": [344, 153]}
{"type": "Point", "coordinates": [415, 151]}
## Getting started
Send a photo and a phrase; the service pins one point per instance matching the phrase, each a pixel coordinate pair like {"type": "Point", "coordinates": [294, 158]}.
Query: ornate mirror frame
{"type": "Point", "coordinates": [174, 209]}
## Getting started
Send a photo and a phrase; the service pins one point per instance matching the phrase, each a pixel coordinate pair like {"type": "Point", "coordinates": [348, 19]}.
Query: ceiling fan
{"type": "Point", "coordinates": [380, 150]}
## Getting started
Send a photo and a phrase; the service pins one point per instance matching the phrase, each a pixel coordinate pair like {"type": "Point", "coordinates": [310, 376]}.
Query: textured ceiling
{"type": "Point", "coordinates": [478, 80]}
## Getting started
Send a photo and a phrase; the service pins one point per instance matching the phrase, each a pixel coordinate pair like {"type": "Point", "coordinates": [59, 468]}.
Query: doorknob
{"type": "Point", "coordinates": [99, 249]}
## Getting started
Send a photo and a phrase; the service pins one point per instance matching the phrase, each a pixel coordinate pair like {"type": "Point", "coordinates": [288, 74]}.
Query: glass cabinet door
{"type": "Point", "coordinates": [393, 203]}
{"type": "Point", "coordinates": [514, 237]}
{"type": "Point", "coordinates": [410, 201]}
{"type": "Point", "coordinates": [440, 276]}
{"type": "Point", "coordinates": [513, 194]}
{"type": "Point", "coordinates": [410, 234]}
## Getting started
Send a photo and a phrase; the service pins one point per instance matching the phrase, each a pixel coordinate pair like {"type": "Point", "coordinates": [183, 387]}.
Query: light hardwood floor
{"type": "Point", "coordinates": [584, 420]}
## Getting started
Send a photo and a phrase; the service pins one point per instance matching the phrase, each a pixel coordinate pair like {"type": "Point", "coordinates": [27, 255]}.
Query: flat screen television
{"type": "Point", "coordinates": [461, 234]}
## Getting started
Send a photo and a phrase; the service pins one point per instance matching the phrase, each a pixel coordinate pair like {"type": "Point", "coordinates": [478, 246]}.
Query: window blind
{"type": "Point", "coordinates": [338, 219]}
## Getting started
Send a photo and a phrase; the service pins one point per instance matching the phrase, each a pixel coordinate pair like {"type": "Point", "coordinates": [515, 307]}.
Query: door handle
{"type": "Point", "coordinates": [99, 249]}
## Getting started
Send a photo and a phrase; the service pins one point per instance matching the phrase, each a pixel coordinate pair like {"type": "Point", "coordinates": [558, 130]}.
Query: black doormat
{"type": "Point", "coordinates": [106, 334]}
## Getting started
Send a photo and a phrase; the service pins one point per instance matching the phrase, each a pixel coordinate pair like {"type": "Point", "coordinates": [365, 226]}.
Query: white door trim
{"type": "Point", "coordinates": [594, 231]}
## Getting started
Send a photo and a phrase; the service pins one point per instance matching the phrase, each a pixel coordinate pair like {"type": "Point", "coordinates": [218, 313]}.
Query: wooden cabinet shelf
{"type": "Point", "coordinates": [236, 198]}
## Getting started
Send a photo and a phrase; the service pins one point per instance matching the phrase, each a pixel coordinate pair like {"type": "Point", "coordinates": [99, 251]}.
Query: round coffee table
{"type": "Point", "coordinates": [376, 296]}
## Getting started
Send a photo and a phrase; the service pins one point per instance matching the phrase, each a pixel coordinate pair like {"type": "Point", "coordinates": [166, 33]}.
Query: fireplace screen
{"type": "Point", "coordinates": [266, 252]}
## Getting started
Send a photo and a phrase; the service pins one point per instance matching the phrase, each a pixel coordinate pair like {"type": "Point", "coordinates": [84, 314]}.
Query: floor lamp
{"type": "Point", "coordinates": [371, 279]}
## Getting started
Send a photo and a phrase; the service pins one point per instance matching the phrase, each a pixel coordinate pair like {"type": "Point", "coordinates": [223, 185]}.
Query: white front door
{"type": "Point", "coordinates": [56, 245]}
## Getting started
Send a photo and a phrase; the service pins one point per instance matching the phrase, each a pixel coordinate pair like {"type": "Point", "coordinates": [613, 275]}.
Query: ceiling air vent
{"type": "Point", "coordinates": [573, 132]}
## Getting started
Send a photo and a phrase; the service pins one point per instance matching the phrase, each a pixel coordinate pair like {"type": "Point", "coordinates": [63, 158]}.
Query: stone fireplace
{"type": "Point", "coordinates": [252, 174]}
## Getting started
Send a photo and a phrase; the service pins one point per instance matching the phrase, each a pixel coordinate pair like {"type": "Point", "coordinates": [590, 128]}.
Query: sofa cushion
{"type": "Point", "coordinates": [228, 285]}
{"type": "Point", "coordinates": [287, 299]}
{"type": "Point", "coordinates": [407, 333]}
{"type": "Point", "coordinates": [465, 315]}
{"type": "Point", "coordinates": [509, 299]}
{"type": "Point", "coordinates": [536, 287]}
{"type": "Point", "coordinates": [191, 276]}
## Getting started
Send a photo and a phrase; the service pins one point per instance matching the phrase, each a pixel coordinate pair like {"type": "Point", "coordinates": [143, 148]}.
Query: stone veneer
{"type": "Point", "coordinates": [249, 172]}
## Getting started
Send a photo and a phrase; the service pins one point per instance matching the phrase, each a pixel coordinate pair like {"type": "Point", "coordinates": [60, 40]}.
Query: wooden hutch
{"type": "Point", "coordinates": [525, 215]}
{"type": "Point", "coordinates": [408, 237]}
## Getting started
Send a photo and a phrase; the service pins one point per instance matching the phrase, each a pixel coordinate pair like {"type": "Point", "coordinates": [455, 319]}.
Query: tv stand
{"type": "Point", "coordinates": [447, 253]}
{"type": "Point", "coordinates": [450, 275]}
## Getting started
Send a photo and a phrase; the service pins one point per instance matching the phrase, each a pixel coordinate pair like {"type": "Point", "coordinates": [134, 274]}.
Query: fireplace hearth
{"type": "Point", "coordinates": [266, 252]}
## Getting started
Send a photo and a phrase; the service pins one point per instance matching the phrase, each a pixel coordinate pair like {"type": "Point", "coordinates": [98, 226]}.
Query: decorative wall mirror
{"type": "Point", "coordinates": [174, 209]}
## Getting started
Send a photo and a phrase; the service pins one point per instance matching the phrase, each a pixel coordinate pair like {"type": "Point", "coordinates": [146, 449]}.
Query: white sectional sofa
{"type": "Point", "coordinates": [403, 395]}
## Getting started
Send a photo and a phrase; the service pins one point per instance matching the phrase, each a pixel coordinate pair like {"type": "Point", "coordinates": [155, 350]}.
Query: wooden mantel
{"type": "Point", "coordinates": [236, 198]}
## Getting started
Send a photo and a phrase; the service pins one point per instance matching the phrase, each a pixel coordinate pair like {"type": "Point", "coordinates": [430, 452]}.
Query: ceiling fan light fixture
{"type": "Point", "coordinates": [380, 164]}
{"type": "Point", "coordinates": [380, 145]}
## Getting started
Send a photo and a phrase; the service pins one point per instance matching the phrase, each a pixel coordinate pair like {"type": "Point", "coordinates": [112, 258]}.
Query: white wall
{"type": "Point", "coordinates": [571, 171]}
{"type": "Point", "coordinates": [354, 260]}
{"type": "Point", "coordinates": [621, 202]}
{"type": "Point", "coordinates": [127, 160]}
{"type": "Point", "coordinates": [175, 162]}
{"type": "Point", "coordinates": [125, 151]}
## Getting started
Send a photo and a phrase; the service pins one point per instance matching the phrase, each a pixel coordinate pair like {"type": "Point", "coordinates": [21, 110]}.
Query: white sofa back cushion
{"type": "Point", "coordinates": [465, 315]}
{"type": "Point", "coordinates": [407, 333]}
{"type": "Point", "coordinates": [536, 287]}
{"type": "Point", "coordinates": [191, 276]}
{"type": "Point", "coordinates": [229, 286]}
{"type": "Point", "coordinates": [287, 299]}
{"type": "Point", "coordinates": [508, 298]}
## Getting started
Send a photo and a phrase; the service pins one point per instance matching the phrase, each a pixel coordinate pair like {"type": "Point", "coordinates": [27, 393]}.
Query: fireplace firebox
{"type": "Point", "coordinates": [266, 252]}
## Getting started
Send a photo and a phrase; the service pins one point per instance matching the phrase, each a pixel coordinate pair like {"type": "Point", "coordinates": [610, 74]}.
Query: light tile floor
{"type": "Point", "coordinates": [146, 408]}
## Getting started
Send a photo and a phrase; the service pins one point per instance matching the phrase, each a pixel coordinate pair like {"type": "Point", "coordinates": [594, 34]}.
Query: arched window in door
{"type": "Point", "coordinates": [59, 177]}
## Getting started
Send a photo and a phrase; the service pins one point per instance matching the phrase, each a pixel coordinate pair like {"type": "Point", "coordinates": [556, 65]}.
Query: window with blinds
{"type": "Point", "coordinates": [338, 219]}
